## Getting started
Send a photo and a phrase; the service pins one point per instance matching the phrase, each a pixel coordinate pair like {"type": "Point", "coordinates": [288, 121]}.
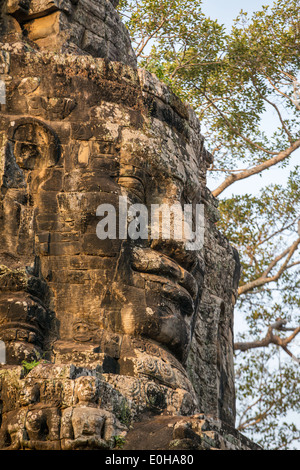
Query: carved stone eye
{"type": "Point", "coordinates": [132, 179]}
{"type": "Point", "coordinates": [133, 185]}
{"type": "Point", "coordinates": [81, 328]}
{"type": "Point", "coordinates": [82, 332]}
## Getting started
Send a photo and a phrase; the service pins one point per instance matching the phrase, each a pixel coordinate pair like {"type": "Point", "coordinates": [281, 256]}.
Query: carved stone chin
{"type": "Point", "coordinates": [101, 333]}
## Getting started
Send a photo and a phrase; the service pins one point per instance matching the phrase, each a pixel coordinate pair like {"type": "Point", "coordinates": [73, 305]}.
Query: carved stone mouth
{"type": "Point", "coordinates": [173, 291]}
{"type": "Point", "coordinates": [174, 281]}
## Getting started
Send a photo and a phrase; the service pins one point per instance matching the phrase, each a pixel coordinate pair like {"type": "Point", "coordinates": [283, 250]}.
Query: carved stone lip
{"type": "Point", "coordinates": [164, 269]}
{"type": "Point", "coordinates": [173, 291]}
{"type": "Point", "coordinates": [170, 279]}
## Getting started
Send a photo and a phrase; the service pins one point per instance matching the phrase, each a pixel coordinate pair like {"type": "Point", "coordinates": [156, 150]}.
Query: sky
{"type": "Point", "coordinates": [225, 12]}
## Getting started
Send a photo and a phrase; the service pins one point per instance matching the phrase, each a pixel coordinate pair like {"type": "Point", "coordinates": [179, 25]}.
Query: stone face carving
{"type": "Point", "coordinates": [30, 150]}
{"type": "Point", "coordinates": [120, 327]}
{"type": "Point", "coordinates": [84, 426]}
{"type": "Point", "coordinates": [34, 425]}
{"type": "Point", "coordinates": [56, 412]}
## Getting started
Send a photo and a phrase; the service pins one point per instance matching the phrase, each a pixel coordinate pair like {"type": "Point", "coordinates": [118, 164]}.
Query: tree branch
{"type": "Point", "coordinates": [264, 279]}
{"type": "Point", "coordinates": [246, 410]}
{"type": "Point", "coordinates": [143, 43]}
{"type": "Point", "coordinates": [279, 91]}
{"type": "Point", "coordinates": [257, 169]}
{"type": "Point", "coordinates": [274, 262]}
{"type": "Point", "coordinates": [255, 420]}
{"type": "Point", "coordinates": [271, 338]}
{"type": "Point", "coordinates": [236, 130]}
{"type": "Point", "coordinates": [290, 138]}
{"type": "Point", "coordinates": [282, 229]}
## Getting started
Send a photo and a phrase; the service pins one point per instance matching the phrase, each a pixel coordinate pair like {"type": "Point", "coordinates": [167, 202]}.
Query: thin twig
{"type": "Point", "coordinates": [264, 279]}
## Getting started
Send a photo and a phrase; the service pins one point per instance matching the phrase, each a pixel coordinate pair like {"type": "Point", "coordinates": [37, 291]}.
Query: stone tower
{"type": "Point", "coordinates": [104, 337]}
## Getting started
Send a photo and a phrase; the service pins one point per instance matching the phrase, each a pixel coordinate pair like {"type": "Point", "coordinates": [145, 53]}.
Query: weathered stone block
{"type": "Point", "coordinates": [94, 44]}
{"type": "Point", "coordinates": [46, 26]}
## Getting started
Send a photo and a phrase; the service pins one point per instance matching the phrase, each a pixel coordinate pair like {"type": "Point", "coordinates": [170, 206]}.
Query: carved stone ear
{"type": "Point", "coordinates": [35, 144]}
{"type": "Point", "coordinates": [13, 176]}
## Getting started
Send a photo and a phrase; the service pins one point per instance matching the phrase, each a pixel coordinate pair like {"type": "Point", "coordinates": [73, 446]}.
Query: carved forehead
{"type": "Point", "coordinates": [86, 384]}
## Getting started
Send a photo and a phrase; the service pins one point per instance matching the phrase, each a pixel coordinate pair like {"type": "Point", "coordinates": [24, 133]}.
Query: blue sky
{"type": "Point", "coordinates": [226, 11]}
